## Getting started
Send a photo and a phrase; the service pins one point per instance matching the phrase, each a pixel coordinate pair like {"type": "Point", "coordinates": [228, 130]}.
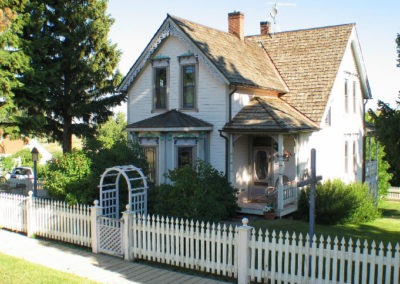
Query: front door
{"type": "Point", "coordinates": [262, 171]}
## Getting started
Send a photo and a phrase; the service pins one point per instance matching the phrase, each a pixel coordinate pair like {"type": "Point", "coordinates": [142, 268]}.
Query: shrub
{"type": "Point", "coordinates": [336, 202]}
{"type": "Point", "coordinates": [64, 176]}
{"type": "Point", "coordinates": [203, 194]}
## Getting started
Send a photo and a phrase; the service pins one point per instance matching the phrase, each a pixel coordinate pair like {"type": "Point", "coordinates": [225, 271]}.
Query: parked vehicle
{"type": "Point", "coordinates": [21, 176]}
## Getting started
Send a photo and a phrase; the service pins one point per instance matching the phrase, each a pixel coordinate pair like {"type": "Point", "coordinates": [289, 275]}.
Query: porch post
{"type": "Point", "coordinates": [280, 181]}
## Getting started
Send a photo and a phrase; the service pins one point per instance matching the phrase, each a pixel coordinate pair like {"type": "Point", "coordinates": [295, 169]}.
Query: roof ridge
{"type": "Point", "coordinates": [304, 29]}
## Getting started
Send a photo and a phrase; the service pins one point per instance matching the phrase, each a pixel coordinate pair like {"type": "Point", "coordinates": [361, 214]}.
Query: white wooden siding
{"type": "Point", "coordinates": [211, 97]}
{"type": "Point", "coordinates": [330, 140]}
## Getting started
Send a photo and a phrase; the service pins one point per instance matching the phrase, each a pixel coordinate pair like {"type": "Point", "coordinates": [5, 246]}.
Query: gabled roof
{"type": "Point", "coordinates": [241, 63]}
{"type": "Point", "coordinates": [172, 120]}
{"type": "Point", "coordinates": [269, 114]}
{"type": "Point", "coordinates": [308, 60]}
{"type": "Point", "coordinates": [299, 65]}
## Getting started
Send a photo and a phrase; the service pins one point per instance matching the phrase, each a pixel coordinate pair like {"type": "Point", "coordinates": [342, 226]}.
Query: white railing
{"type": "Point", "coordinates": [200, 246]}
{"type": "Point", "coordinates": [393, 193]}
{"type": "Point", "coordinates": [293, 259]}
{"type": "Point", "coordinates": [46, 218]}
{"type": "Point", "coordinates": [290, 193]}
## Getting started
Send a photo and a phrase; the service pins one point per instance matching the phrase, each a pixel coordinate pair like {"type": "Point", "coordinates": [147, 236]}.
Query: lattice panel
{"type": "Point", "coordinates": [110, 236]}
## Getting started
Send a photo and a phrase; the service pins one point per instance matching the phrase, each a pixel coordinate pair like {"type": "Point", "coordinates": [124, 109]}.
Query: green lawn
{"type": "Point", "coordinates": [19, 271]}
{"type": "Point", "coordinates": [385, 229]}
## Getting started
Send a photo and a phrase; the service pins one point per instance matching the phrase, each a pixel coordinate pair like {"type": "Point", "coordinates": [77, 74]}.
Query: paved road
{"type": "Point", "coordinates": [97, 267]}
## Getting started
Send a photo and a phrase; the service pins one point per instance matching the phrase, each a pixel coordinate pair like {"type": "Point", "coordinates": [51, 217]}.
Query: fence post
{"type": "Point", "coordinates": [243, 255]}
{"type": "Point", "coordinates": [126, 237]}
{"type": "Point", "coordinates": [95, 211]}
{"type": "Point", "coordinates": [30, 220]}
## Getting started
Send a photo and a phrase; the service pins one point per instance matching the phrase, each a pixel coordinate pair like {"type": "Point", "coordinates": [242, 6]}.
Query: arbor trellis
{"type": "Point", "coordinates": [137, 187]}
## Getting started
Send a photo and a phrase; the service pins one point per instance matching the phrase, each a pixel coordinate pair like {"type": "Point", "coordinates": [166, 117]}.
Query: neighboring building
{"type": "Point", "coordinates": [252, 106]}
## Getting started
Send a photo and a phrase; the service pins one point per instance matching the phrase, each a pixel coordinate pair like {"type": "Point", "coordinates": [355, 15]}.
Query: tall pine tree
{"type": "Point", "coordinates": [70, 87]}
{"type": "Point", "coordinates": [13, 60]}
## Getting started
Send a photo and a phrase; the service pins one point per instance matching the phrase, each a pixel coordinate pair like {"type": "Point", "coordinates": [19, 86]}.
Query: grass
{"type": "Point", "coordinates": [15, 270]}
{"type": "Point", "coordinates": [385, 229]}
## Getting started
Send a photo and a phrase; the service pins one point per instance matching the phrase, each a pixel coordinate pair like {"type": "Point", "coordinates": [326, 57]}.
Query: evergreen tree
{"type": "Point", "coordinates": [13, 61]}
{"type": "Point", "coordinates": [70, 87]}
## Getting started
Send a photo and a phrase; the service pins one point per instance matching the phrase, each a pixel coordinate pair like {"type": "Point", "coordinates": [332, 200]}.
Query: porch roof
{"type": "Point", "coordinates": [269, 114]}
{"type": "Point", "coordinates": [172, 120]}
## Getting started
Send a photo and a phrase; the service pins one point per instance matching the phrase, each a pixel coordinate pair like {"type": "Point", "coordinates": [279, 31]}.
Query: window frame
{"type": "Point", "coordinates": [346, 95]}
{"type": "Point", "coordinates": [185, 61]}
{"type": "Point", "coordinates": [160, 63]}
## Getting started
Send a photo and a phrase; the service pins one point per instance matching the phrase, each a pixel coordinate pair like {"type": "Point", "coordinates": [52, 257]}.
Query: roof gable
{"type": "Point", "coordinates": [236, 62]}
{"type": "Point", "coordinates": [308, 60]}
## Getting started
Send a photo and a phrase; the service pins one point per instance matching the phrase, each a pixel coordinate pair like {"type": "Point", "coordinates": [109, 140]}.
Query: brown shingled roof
{"type": "Point", "coordinates": [243, 63]}
{"type": "Point", "coordinates": [269, 114]}
{"type": "Point", "coordinates": [308, 60]}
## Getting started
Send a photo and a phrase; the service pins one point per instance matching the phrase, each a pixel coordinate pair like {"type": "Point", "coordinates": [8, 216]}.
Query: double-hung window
{"type": "Point", "coordinates": [189, 75]}
{"type": "Point", "coordinates": [186, 151]}
{"type": "Point", "coordinates": [160, 83]}
{"type": "Point", "coordinates": [188, 86]}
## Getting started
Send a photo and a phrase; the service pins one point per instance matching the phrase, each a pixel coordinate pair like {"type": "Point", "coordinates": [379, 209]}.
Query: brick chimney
{"type": "Point", "coordinates": [265, 28]}
{"type": "Point", "coordinates": [236, 21]}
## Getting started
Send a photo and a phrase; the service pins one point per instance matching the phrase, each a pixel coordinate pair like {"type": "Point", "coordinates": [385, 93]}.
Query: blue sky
{"type": "Point", "coordinates": [378, 23]}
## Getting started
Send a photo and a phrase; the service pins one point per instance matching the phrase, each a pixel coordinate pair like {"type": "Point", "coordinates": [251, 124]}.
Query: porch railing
{"type": "Point", "coordinates": [290, 193]}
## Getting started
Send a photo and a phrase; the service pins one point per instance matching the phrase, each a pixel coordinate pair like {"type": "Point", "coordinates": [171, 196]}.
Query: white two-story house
{"type": "Point", "coordinates": [252, 106]}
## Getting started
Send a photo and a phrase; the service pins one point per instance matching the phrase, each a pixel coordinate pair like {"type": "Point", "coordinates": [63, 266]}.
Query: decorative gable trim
{"type": "Point", "coordinates": [168, 28]}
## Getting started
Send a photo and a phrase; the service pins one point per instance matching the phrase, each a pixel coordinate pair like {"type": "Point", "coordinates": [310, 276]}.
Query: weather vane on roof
{"type": "Point", "coordinates": [274, 10]}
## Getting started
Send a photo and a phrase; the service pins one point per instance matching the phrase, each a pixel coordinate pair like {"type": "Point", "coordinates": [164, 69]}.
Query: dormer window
{"type": "Point", "coordinates": [189, 72]}
{"type": "Point", "coordinates": [160, 86]}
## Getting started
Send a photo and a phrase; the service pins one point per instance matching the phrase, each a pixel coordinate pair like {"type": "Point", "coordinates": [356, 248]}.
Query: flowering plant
{"type": "Point", "coordinates": [268, 208]}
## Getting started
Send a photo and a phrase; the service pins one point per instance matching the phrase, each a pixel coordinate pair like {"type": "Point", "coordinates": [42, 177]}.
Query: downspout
{"type": "Point", "coordinates": [226, 154]}
{"type": "Point", "coordinates": [225, 137]}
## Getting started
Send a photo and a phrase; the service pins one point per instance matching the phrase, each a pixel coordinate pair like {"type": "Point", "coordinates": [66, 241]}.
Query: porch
{"type": "Point", "coordinates": [256, 206]}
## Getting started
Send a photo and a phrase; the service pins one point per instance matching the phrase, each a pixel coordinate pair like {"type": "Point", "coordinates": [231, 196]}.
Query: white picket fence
{"type": "Point", "coordinates": [46, 218]}
{"type": "Point", "coordinates": [233, 251]}
{"type": "Point", "coordinates": [197, 245]}
{"type": "Point", "coordinates": [294, 259]}
{"type": "Point", "coordinates": [393, 193]}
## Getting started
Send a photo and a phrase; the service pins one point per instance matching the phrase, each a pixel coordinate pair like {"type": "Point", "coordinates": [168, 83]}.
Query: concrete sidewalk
{"type": "Point", "coordinates": [97, 267]}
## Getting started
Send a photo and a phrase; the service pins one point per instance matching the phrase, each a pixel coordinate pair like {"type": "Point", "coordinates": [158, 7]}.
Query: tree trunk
{"type": "Point", "coordinates": [67, 135]}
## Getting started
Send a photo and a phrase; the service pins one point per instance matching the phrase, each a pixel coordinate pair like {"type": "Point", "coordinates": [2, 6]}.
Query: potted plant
{"type": "Point", "coordinates": [269, 212]}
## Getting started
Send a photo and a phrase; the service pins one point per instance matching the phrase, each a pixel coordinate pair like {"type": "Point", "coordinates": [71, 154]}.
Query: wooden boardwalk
{"type": "Point", "coordinates": [97, 267]}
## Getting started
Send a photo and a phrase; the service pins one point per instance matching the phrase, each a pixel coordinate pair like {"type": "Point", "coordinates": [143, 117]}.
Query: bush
{"type": "Point", "coordinates": [64, 177]}
{"type": "Point", "coordinates": [203, 194]}
{"type": "Point", "coordinates": [336, 202]}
